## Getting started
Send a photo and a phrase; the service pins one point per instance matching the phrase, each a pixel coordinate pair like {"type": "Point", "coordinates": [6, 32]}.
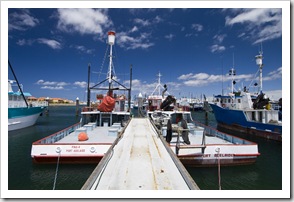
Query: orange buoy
{"type": "Point", "coordinates": [83, 136]}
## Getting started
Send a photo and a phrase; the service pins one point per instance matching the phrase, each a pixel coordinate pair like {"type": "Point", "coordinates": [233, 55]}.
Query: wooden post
{"type": "Point", "coordinates": [77, 106]}
{"type": "Point", "coordinates": [47, 108]}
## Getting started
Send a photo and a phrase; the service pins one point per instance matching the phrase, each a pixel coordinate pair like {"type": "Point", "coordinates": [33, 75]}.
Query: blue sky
{"type": "Point", "coordinates": [193, 48]}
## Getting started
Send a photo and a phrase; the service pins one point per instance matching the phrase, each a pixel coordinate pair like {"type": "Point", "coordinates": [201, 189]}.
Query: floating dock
{"type": "Point", "coordinates": [140, 159]}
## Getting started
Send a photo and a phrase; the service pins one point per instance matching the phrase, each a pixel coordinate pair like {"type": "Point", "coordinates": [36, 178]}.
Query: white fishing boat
{"type": "Point", "coordinates": [199, 145]}
{"type": "Point", "coordinates": [88, 140]}
{"type": "Point", "coordinates": [21, 112]}
{"type": "Point", "coordinates": [196, 144]}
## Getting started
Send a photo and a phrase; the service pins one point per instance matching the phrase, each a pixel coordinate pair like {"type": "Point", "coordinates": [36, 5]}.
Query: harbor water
{"type": "Point", "coordinates": [23, 174]}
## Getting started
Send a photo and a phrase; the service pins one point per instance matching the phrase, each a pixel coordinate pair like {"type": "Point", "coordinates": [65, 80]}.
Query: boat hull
{"type": "Point", "coordinates": [19, 118]}
{"type": "Point", "coordinates": [235, 120]}
{"type": "Point", "coordinates": [208, 156]}
{"type": "Point", "coordinates": [208, 147]}
{"type": "Point", "coordinates": [250, 131]}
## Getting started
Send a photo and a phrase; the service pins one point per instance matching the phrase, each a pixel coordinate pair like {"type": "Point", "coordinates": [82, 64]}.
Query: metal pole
{"type": "Point", "coordinates": [88, 91]}
{"type": "Point", "coordinates": [131, 75]}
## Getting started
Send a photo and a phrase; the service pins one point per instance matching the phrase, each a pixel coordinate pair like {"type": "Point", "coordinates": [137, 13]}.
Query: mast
{"type": "Point", "coordinates": [159, 75]}
{"type": "Point", "coordinates": [258, 60]}
{"type": "Point", "coordinates": [158, 85]}
{"type": "Point", "coordinates": [232, 72]}
{"type": "Point", "coordinates": [111, 40]}
{"type": "Point", "coordinates": [110, 74]}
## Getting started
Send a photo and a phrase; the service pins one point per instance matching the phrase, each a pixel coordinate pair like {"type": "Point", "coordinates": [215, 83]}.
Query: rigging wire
{"type": "Point", "coordinates": [104, 58]}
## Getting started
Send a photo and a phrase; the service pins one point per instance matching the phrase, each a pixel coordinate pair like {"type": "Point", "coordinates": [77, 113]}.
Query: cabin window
{"type": "Point", "coordinates": [239, 100]}
{"type": "Point", "coordinates": [229, 100]}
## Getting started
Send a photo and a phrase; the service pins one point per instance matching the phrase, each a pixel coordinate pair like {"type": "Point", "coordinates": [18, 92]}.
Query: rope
{"type": "Point", "coordinates": [56, 172]}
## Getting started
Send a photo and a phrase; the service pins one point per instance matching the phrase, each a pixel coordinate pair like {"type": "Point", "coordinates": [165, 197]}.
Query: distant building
{"type": "Point", "coordinates": [52, 100]}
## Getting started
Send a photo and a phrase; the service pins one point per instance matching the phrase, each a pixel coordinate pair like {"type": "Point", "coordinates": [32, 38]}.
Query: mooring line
{"type": "Point", "coordinates": [58, 150]}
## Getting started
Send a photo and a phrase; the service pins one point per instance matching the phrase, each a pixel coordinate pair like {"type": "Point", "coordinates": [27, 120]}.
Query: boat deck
{"type": "Point", "coordinates": [196, 137]}
{"type": "Point", "coordinates": [140, 161]}
{"type": "Point", "coordinates": [97, 135]}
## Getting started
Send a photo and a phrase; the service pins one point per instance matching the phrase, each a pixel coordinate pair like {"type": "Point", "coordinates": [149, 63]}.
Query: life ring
{"type": "Point", "coordinates": [223, 105]}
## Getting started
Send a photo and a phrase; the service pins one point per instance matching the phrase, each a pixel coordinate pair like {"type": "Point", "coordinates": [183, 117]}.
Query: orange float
{"type": "Point", "coordinates": [83, 136]}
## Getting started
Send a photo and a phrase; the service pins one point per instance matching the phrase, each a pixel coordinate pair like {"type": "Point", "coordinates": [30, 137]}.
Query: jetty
{"type": "Point", "coordinates": [140, 159]}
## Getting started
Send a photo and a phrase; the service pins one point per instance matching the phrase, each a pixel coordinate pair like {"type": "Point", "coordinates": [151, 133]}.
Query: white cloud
{"type": "Point", "coordinates": [261, 24]}
{"type": "Point", "coordinates": [41, 81]}
{"type": "Point", "coordinates": [197, 27]}
{"type": "Point", "coordinates": [145, 23]}
{"type": "Point", "coordinates": [157, 19]}
{"type": "Point", "coordinates": [219, 38]}
{"type": "Point", "coordinates": [185, 76]}
{"type": "Point", "coordinates": [201, 76]}
{"type": "Point", "coordinates": [169, 36]}
{"type": "Point", "coordinates": [134, 29]}
{"type": "Point", "coordinates": [81, 84]}
{"type": "Point", "coordinates": [51, 43]}
{"type": "Point", "coordinates": [23, 42]}
{"type": "Point", "coordinates": [130, 42]}
{"type": "Point", "coordinates": [52, 85]}
{"type": "Point", "coordinates": [202, 79]}
{"type": "Point", "coordinates": [83, 20]}
{"type": "Point", "coordinates": [142, 22]}
{"type": "Point", "coordinates": [276, 74]}
{"type": "Point", "coordinates": [217, 48]}
{"type": "Point", "coordinates": [274, 94]}
{"type": "Point", "coordinates": [83, 49]}
{"type": "Point", "coordinates": [21, 20]}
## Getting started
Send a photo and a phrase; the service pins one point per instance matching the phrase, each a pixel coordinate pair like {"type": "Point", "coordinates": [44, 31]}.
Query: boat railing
{"type": "Point", "coordinates": [58, 135]}
{"type": "Point", "coordinates": [227, 137]}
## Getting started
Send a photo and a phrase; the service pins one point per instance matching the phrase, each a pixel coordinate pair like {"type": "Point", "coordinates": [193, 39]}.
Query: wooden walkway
{"type": "Point", "coordinates": [140, 160]}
